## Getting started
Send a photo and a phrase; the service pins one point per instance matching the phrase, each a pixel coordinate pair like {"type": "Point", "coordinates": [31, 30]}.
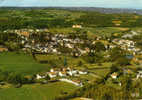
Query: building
{"type": "Point", "coordinates": [76, 26]}
{"type": "Point", "coordinates": [139, 75]}
{"type": "Point", "coordinates": [2, 49]}
{"type": "Point", "coordinates": [62, 73]}
{"type": "Point", "coordinates": [52, 74]}
{"type": "Point", "coordinates": [114, 75]}
{"type": "Point", "coordinates": [39, 76]}
{"type": "Point", "coordinates": [82, 72]}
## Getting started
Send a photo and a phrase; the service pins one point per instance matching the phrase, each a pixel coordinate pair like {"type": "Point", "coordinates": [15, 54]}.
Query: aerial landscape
{"type": "Point", "coordinates": [70, 50]}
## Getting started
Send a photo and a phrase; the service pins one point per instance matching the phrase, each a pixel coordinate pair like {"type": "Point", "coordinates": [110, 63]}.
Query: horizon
{"type": "Point", "coordinates": [122, 4]}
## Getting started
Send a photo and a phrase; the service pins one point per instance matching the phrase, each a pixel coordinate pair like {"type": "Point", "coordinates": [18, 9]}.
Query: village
{"type": "Point", "coordinates": [54, 43]}
{"type": "Point", "coordinates": [42, 42]}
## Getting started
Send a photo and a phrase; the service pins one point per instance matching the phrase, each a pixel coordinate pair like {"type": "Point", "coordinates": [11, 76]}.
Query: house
{"type": "Point", "coordinates": [87, 50]}
{"type": "Point", "coordinates": [76, 26]}
{"type": "Point", "coordinates": [74, 71]}
{"type": "Point", "coordinates": [52, 70]}
{"type": "Point", "coordinates": [62, 73]}
{"type": "Point", "coordinates": [2, 49]}
{"type": "Point", "coordinates": [39, 76]}
{"type": "Point", "coordinates": [68, 69]}
{"type": "Point", "coordinates": [54, 50]}
{"type": "Point", "coordinates": [139, 75]}
{"type": "Point", "coordinates": [25, 33]}
{"type": "Point", "coordinates": [52, 74]}
{"type": "Point", "coordinates": [69, 45]}
{"type": "Point", "coordinates": [82, 72]}
{"type": "Point", "coordinates": [114, 75]}
{"type": "Point", "coordinates": [70, 73]}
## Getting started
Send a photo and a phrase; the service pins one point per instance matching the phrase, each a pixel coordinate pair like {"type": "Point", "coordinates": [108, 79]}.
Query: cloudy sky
{"type": "Point", "coordinates": [136, 4]}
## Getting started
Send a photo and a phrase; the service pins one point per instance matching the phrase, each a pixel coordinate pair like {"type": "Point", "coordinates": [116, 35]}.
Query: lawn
{"type": "Point", "coordinates": [20, 63]}
{"type": "Point", "coordinates": [37, 91]}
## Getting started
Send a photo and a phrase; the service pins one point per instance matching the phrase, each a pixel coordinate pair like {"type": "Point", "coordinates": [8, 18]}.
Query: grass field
{"type": "Point", "coordinates": [71, 61]}
{"type": "Point", "coordinates": [20, 63]}
{"type": "Point", "coordinates": [36, 91]}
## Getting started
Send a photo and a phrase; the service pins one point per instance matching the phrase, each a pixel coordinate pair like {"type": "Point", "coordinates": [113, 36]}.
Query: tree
{"type": "Point", "coordinates": [14, 78]}
{"type": "Point", "coordinates": [107, 97]}
{"type": "Point", "coordinates": [114, 68]}
{"type": "Point", "coordinates": [12, 46]}
{"type": "Point", "coordinates": [65, 61]}
{"type": "Point", "coordinates": [127, 87]}
{"type": "Point", "coordinates": [99, 46]}
{"type": "Point", "coordinates": [122, 61]}
{"type": "Point", "coordinates": [116, 53]}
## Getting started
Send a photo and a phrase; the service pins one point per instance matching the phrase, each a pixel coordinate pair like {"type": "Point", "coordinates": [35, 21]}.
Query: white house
{"type": "Point", "coordinates": [69, 73]}
{"type": "Point", "coordinates": [52, 74]}
{"type": "Point", "coordinates": [74, 72]}
{"type": "Point", "coordinates": [54, 50]}
{"type": "Point", "coordinates": [82, 72]}
{"type": "Point", "coordinates": [114, 75]}
{"type": "Point", "coordinates": [39, 76]}
{"type": "Point", "coordinates": [69, 45]}
{"type": "Point", "coordinates": [62, 74]}
{"type": "Point", "coordinates": [52, 70]}
{"type": "Point", "coordinates": [76, 26]}
{"type": "Point", "coordinates": [139, 75]}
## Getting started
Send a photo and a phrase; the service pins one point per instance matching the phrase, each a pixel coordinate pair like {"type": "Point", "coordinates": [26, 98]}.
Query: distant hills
{"type": "Point", "coordinates": [104, 10]}
{"type": "Point", "coordinates": [97, 9]}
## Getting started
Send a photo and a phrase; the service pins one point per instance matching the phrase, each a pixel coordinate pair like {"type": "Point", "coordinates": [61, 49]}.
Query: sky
{"type": "Point", "coordinates": [135, 4]}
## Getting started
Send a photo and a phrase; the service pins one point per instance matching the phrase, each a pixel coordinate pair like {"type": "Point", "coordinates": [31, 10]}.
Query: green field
{"type": "Point", "coordinates": [36, 91]}
{"type": "Point", "coordinates": [71, 61]}
{"type": "Point", "coordinates": [20, 63]}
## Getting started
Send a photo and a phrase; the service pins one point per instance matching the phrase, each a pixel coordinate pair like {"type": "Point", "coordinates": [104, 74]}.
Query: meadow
{"type": "Point", "coordinates": [37, 91]}
{"type": "Point", "coordinates": [20, 63]}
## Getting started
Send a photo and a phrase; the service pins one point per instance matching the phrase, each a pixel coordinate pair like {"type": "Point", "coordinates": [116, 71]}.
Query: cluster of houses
{"type": "Point", "coordinates": [127, 45]}
{"type": "Point", "coordinates": [62, 74]}
{"type": "Point", "coordinates": [130, 35]}
{"type": "Point", "coordinates": [64, 41]}
{"type": "Point", "coordinates": [57, 40]}
{"type": "Point", "coordinates": [51, 46]}
{"type": "Point", "coordinates": [26, 32]}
